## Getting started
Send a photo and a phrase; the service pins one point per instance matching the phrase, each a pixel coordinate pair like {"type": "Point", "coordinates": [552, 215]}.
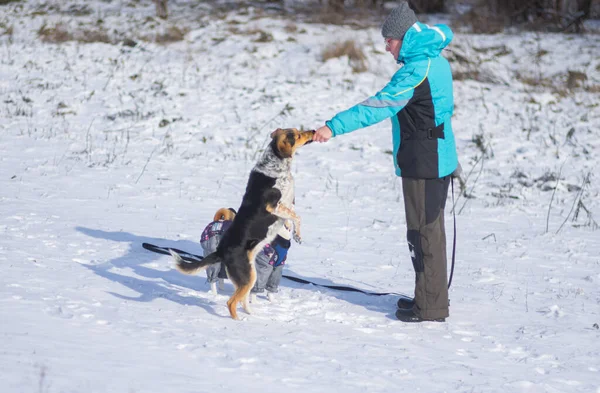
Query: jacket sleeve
{"type": "Point", "coordinates": [383, 105]}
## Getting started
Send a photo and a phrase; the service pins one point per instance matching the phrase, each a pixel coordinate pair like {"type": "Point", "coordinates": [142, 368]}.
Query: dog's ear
{"type": "Point", "coordinates": [282, 144]}
{"type": "Point", "coordinates": [276, 132]}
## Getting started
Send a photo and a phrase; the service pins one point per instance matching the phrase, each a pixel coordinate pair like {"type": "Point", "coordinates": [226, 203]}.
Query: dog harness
{"type": "Point", "coordinates": [277, 251]}
{"type": "Point", "coordinates": [211, 235]}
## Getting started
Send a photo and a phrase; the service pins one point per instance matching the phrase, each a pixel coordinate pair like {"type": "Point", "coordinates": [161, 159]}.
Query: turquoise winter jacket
{"type": "Point", "coordinates": [419, 100]}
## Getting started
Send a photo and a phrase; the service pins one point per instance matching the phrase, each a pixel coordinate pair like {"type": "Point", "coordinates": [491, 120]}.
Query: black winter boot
{"type": "Point", "coordinates": [406, 303]}
{"type": "Point", "coordinates": [409, 316]}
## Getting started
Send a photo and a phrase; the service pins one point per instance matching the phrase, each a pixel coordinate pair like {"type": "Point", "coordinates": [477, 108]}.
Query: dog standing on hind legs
{"type": "Point", "coordinates": [266, 204]}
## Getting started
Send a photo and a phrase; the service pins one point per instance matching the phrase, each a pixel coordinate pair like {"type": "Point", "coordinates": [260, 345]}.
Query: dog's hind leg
{"type": "Point", "coordinates": [241, 294]}
{"type": "Point", "coordinates": [246, 304]}
{"type": "Point", "coordinates": [232, 304]}
{"type": "Point", "coordinates": [246, 300]}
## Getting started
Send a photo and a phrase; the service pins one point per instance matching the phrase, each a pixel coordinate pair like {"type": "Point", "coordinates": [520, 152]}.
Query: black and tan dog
{"type": "Point", "coordinates": [266, 204]}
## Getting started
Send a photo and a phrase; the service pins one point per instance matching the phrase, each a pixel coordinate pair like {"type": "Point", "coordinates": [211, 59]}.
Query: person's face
{"type": "Point", "coordinates": [393, 46]}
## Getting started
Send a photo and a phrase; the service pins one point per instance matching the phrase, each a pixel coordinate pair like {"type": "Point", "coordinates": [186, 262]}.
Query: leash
{"type": "Point", "coordinates": [454, 240]}
{"type": "Point", "coordinates": [186, 256]}
{"type": "Point", "coordinates": [341, 287]}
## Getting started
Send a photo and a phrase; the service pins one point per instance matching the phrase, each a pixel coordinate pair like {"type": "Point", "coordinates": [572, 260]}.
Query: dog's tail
{"type": "Point", "coordinates": [194, 267]}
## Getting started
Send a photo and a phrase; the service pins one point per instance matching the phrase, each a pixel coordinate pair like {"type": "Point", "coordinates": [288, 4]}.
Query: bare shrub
{"type": "Point", "coordinates": [330, 17]}
{"type": "Point", "coordinates": [168, 35]}
{"type": "Point", "coordinates": [482, 143]}
{"type": "Point", "coordinates": [59, 33]}
{"type": "Point", "coordinates": [427, 6]}
{"type": "Point", "coordinates": [491, 16]}
{"type": "Point", "coordinates": [592, 89]}
{"type": "Point", "coordinates": [470, 63]}
{"type": "Point", "coordinates": [534, 81]}
{"type": "Point", "coordinates": [562, 85]}
{"type": "Point", "coordinates": [161, 9]}
{"type": "Point", "coordinates": [291, 28]}
{"type": "Point", "coordinates": [576, 79]}
{"type": "Point", "coordinates": [77, 10]}
{"type": "Point", "coordinates": [348, 48]}
{"type": "Point", "coordinates": [94, 35]}
{"type": "Point", "coordinates": [465, 75]}
{"type": "Point", "coordinates": [336, 6]}
{"type": "Point", "coordinates": [7, 31]}
{"type": "Point", "coordinates": [481, 20]}
{"type": "Point", "coordinates": [263, 36]}
{"type": "Point", "coordinates": [172, 34]}
{"type": "Point", "coordinates": [56, 34]}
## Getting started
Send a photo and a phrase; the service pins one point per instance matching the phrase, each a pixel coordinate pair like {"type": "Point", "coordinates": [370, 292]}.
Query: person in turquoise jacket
{"type": "Point", "coordinates": [419, 101]}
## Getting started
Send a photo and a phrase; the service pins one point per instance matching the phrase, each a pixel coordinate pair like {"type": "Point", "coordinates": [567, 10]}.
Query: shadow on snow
{"type": "Point", "coordinates": [168, 284]}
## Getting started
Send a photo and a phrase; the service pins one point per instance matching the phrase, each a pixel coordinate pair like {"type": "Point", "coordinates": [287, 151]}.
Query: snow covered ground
{"type": "Point", "coordinates": [104, 146]}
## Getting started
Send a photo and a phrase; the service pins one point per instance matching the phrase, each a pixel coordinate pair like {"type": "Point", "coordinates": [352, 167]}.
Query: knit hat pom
{"type": "Point", "coordinates": [398, 22]}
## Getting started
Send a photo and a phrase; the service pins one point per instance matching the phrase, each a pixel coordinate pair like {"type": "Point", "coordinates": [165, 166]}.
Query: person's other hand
{"type": "Point", "coordinates": [323, 134]}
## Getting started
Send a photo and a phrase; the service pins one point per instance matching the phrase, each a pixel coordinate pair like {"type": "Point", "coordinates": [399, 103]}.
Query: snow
{"type": "Point", "coordinates": [104, 147]}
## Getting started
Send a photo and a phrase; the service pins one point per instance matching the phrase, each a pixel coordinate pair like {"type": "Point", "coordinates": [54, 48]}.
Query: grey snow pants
{"type": "Point", "coordinates": [267, 276]}
{"type": "Point", "coordinates": [424, 203]}
{"type": "Point", "coordinates": [214, 272]}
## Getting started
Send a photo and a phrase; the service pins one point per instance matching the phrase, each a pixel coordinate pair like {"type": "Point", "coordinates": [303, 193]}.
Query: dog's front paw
{"type": "Point", "coordinates": [297, 238]}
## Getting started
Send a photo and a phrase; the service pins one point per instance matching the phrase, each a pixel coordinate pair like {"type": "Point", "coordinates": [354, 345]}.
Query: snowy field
{"type": "Point", "coordinates": [104, 146]}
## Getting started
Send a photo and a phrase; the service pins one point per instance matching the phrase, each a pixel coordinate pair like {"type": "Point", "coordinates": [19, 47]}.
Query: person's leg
{"type": "Point", "coordinates": [209, 243]}
{"type": "Point", "coordinates": [222, 276]}
{"type": "Point", "coordinates": [275, 279]}
{"type": "Point", "coordinates": [424, 202]}
{"type": "Point", "coordinates": [273, 282]}
{"type": "Point", "coordinates": [212, 273]}
{"type": "Point", "coordinates": [263, 271]}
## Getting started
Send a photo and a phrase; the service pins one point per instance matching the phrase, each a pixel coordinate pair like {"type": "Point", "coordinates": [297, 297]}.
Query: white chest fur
{"type": "Point", "coordinates": [285, 184]}
{"type": "Point", "coordinates": [279, 169]}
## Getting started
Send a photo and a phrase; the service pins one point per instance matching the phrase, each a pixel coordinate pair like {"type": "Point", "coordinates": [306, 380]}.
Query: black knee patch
{"type": "Point", "coordinates": [416, 251]}
{"type": "Point", "coordinates": [436, 191]}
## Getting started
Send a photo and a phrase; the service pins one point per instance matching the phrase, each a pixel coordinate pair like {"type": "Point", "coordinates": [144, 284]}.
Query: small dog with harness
{"type": "Point", "coordinates": [269, 264]}
{"type": "Point", "coordinates": [209, 240]}
{"type": "Point", "coordinates": [266, 204]}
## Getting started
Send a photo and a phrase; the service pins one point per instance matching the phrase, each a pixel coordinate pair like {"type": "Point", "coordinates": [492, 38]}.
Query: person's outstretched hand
{"type": "Point", "coordinates": [323, 134]}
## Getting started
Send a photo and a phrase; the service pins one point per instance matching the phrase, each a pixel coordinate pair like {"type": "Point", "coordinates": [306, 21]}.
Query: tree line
{"type": "Point", "coordinates": [485, 16]}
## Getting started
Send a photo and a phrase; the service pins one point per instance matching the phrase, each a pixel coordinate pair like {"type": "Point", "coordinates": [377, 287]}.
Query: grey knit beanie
{"type": "Point", "coordinates": [398, 22]}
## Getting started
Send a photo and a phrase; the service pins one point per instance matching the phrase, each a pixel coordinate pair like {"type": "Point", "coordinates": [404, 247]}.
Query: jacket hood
{"type": "Point", "coordinates": [422, 41]}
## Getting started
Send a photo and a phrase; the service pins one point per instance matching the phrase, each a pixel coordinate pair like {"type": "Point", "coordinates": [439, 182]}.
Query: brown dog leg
{"type": "Point", "coordinates": [242, 292]}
